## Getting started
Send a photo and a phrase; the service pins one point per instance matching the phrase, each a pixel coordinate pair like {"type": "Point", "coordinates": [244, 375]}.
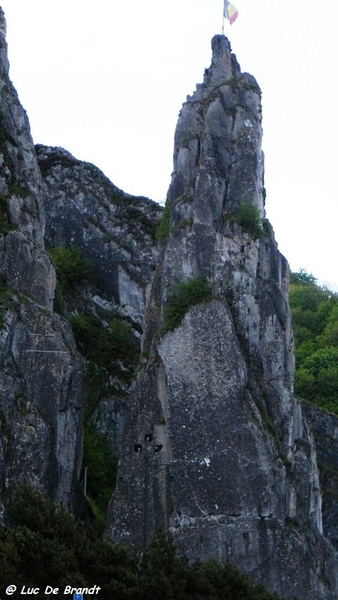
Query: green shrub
{"type": "Point", "coordinates": [247, 215]}
{"type": "Point", "coordinates": [164, 570]}
{"type": "Point", "coordinates": [184, 223]}
{"type": "Point", "coordinates": [70, 266]}
{"type": "Point", "coordinates": [45, 543]}
{"type": "Point", "coordinates": [101, 473]}
{"type": "Point", "coordinates": [96, 386]}
{"type": "Point", "coordinates": [5, 225]}
{"type": "Point", "coordinates": [105, 345]}
{"type": "Point", "coordinates": [18, 189]}
{"type": "Point", "coordinates": [186, 294]}
{"type": "Point", "coordinates": [163, 229]}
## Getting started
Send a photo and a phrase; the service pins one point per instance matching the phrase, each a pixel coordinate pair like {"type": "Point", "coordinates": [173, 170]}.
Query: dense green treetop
{"type": "Point", "coordinates": [315, 326]}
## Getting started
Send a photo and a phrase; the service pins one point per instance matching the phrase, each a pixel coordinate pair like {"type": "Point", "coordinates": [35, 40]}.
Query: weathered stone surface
{"type": "Point", "coordinates": [41, 401]}
{"type": "Point", "coordinates": [23, 262]}
{"type": "Point", "coordinates": [217, 392]}
{"type": "Point", "coordinates": [114, 230]}
{"type": "Point", "coordinates": [237, 476]}
{"type": "Point", "coordinates": [325, 432]}
{"type": "Point", "coordinates": [41, 373]}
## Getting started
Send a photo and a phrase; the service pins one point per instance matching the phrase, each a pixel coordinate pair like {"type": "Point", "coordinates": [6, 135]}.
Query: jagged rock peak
{"type": "Point", "coordinates": [223, 63]}
{"type": "Point", "coordinates": [218, 161]}
{"type": "Point", "coordinates": [224, 66]}
{"type": "Point", "coordinates": [216, 390]}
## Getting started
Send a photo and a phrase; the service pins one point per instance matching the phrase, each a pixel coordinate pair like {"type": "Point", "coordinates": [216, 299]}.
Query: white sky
{"type": "Point", "coordinates": [106, 79]}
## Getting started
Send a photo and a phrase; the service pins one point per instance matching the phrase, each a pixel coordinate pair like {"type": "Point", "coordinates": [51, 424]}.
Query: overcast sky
{"type": "Point", "coordinates": [106, 79]}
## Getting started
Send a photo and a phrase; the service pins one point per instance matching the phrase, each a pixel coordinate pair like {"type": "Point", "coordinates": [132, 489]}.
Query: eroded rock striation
{"type": "Point", "coordinates": [41, 373]}
{"type": "Point", "coordinates": [236, 478]}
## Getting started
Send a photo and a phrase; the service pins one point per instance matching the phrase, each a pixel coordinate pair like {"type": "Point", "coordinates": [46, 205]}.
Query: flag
{"type": "Point", "coordinates": [230, 12]}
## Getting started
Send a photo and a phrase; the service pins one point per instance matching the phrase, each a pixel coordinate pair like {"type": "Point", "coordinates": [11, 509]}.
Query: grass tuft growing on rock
{"type": "Point", "coordinates": [247, 215]}
{"type": "Point", "coordinates": [194, 290]}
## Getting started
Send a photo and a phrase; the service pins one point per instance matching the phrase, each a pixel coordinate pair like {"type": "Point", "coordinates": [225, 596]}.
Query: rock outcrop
{"type": "Point", "coordinates": [115, 233]}
{"type": "Point", "coordinates": [224, 456]}
{"type": "Point", "coordinates": [41, 373]}
{"type": "Point", "coordinates": [325, 431]}
{"type": "Point", "coordinates": [228, 463]}
{"type": "Point", "coordinates": [113, 230]}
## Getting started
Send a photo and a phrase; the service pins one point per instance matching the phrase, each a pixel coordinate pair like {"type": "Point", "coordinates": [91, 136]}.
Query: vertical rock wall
{"type": "Point", "coordinates": [40, 370]}
{"type": "Point", "coordinates": [236, 478]}
{"type": "Point", "coordinates": [325, 431]}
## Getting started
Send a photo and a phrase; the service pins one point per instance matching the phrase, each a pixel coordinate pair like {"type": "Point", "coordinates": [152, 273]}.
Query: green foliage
{"type": "Point", "coordinates": [184, 223]}
{"type": "Point", "coordinates": [46, 546]}
{"type": "Point", "coordinates": [315, 325]}
{"type": "Point", "coordinates": [302, 278]}
{"type": "Point", "coordinates": [101, 467]}
{"type": "Point", "coordinates": [186, 294]}
{"type": "Point", "coordinates": [71, 268]}
{"type": "Point", "coordinates": [116, 570]}
{"type": "Point", "coordinates": [5, 224]}
{"type": "Point", "coordinates": [247, 215]}
{"type": "Point", "coordinates": [219, 581]}
{"type": "Point", "coordinates": [96, 386]}
{"type": "Point", "coordinates": [317, 378]}
{"type": "Point", "coordinates": [18, 189]}
{"type": "Point", "coordinates": [163, 229]}
{"type": "Point", "coordinates": [166, 574]}
{"type": "Point", "coordinates": [106, 346]}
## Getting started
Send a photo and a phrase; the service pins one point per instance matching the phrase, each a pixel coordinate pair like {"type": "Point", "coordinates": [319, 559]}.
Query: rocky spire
{"type": "Point", "coordinates": [216, 390]}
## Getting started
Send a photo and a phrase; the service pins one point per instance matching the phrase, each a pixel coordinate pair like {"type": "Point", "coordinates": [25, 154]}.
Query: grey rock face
{"type": "Point", "coordinates": [40, 370]}
{"type": "Point", "coordinates": [113, 230]}
{"type": "Point", "coordinates": [23, 262]}
{"type": "Point", "coordinates": [41, 401]}
{"type": "Point", "coordinates": [325, 431]}
{"type": "Point", "coordinates": [217, 392]}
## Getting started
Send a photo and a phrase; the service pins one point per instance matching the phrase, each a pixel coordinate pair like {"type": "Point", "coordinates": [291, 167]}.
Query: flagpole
{"type": "Point", "coordinates": [223, 19]}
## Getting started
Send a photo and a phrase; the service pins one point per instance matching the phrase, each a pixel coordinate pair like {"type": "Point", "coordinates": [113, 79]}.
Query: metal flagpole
{"type": "Point", "coordinates": [223, 19]}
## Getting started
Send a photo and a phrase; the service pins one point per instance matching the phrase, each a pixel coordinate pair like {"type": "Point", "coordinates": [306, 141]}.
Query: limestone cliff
{"type": "Point", "coordinates": [236, 477]}
{"type": "Point", "coordinates": [228, 463]}
{"type": "Point", "coordinates": [40, 371]}
{"type": "Point", "coordinates": [115, 233]}
{"type": "Point", "coordinates": [325, 431]}
{"type": "Point", "coordinates": [113, 230]}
